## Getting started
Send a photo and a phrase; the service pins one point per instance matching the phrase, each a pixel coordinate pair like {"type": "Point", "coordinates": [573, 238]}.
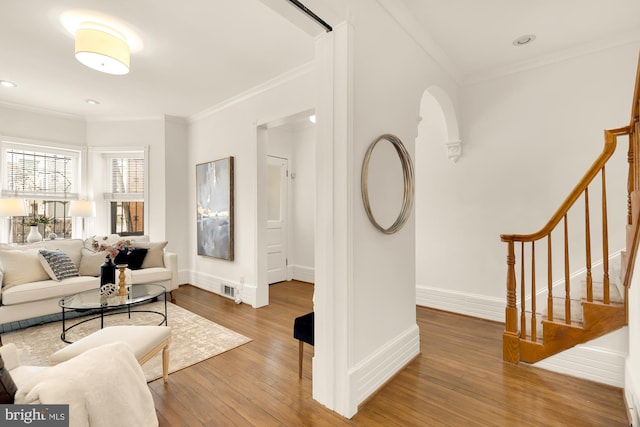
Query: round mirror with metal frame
{"type": "Point", "coordinates": [408, 178]}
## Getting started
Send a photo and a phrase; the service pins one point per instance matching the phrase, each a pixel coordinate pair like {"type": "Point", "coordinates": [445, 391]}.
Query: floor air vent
{"type": "Point", "coordinates": [228, 291]}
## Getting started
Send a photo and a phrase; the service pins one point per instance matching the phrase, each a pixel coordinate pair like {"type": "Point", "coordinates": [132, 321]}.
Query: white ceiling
{"type": "Point", "coordinates": [194, 56]}
{"type": "Point", "coordinates": [207, 51]}
{"type": "Point", "coordinates": [475, 37]}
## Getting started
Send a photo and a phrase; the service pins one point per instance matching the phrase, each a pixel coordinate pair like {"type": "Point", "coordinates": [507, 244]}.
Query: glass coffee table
{"type": "Point", "coordinates": [108, 306]}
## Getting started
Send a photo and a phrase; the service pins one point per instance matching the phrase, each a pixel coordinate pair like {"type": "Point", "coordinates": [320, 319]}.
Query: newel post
{"type": "Point", "coordinates": [510, 346]}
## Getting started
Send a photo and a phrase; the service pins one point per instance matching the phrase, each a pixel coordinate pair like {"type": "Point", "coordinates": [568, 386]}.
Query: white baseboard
{"type": "Point", "coordinates": [474, 305]}
{"type": "Point", "coordinates": [631, 394]}
{"type": "Point", "coordinates": [588, 361]}
{"type": "Point", "coordinates": [213, 283]}
{"type": "Point", "coordinates": [372, 373]}
{"type": "Point", "coordinates": [302, 273]}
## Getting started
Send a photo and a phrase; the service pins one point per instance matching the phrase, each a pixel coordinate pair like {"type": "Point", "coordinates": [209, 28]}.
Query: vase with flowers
{"type": "Point", "coordinates": [108, 268]}
{"type": "Point", "coordinates": [33, 223]}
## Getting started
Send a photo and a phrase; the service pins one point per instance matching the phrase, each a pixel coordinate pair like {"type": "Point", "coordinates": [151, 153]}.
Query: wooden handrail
{"type": "Point", "coordinates": [594, 170]}
{"type": "Point", "coordinates": [533, 349]}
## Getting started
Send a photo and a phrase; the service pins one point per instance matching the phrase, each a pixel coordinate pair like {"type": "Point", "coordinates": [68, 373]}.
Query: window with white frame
{"type": "Point", "coordinates": [48, 178]}
{"type": "Point", "coordinates": [127, 192]}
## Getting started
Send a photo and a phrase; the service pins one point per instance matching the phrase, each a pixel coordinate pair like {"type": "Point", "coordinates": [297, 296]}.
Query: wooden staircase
{"type": "Point", "coordinates": [532, 334]}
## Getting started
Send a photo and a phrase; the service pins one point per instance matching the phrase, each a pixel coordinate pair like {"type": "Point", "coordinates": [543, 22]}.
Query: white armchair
{"type": "Point", "coordinates": [96, 384]}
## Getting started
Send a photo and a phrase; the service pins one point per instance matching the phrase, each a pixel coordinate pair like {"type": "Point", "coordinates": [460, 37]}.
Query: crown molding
{"type": "Point", "coordinates": [554, 57]}
{"type": "Point", "coordinates": [99, 119]}
{"type": "Point", "coordinates": [40, 110]}
{"type": "Point", "coordinates": [256, 90]}
{"type": "Point", "coordinates": [403, 17]}
{"type": "Point", "coordinates": [408, 23]}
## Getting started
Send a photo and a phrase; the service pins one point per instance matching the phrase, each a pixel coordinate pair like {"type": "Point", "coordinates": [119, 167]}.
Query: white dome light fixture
{"type": "Point", "coordinates": [102, 48]}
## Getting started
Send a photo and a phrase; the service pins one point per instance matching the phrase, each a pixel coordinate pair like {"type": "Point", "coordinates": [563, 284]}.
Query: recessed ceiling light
{"type": "Point", "coordinates": [522, 40]}
{"type": "Point", "coordinates": [7, 83]}
{"type": "Point", "coordinates": [91, 101]}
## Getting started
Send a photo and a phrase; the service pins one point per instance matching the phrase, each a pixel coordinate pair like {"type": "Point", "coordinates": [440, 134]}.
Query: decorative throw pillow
{"type": "Point", "coordinates": [7, 386]}
{"type": "Point", "coordinates": [90, 262]}
{"type": "Point", "coordinates": [132, 257]}
{"type": "Point", "coordinates": [155, 254]}
{"type": "Point", "coordinates": [57, 264]}
{"type": "Point", "coordinates": [21, 266]}
{"type": "Point", "coordinates": [71, 247]}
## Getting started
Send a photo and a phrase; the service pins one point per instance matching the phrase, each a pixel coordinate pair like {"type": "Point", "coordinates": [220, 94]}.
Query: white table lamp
{"type": "Point", "coordinates": [10, 208]}
{"type": "Point", "coordinates": [84, 209]}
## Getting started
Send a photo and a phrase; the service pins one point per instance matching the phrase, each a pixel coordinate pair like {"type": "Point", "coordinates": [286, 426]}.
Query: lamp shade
{"type": "Point", "coordinates": [102, 51]}
{"type": "Point", "coordinates": [83, 208]}
{"type": "Point", "coordinates": [13, 207]}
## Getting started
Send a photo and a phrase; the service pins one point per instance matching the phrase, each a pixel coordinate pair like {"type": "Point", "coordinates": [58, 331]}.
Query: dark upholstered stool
{"type": "Point", "coordinates": [303, 331]}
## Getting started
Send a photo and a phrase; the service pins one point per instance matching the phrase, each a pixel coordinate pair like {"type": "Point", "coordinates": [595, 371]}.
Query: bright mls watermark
{"type": "Point", "coordinates": [34, 415]}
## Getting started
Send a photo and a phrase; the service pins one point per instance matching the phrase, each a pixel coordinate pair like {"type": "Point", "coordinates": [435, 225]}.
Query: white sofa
{"type": "Point", "coordinates": [28, 291]}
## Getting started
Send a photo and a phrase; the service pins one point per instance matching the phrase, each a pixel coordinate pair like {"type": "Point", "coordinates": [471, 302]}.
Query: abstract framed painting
{"type": "Point", "coordinates": [214, 198]}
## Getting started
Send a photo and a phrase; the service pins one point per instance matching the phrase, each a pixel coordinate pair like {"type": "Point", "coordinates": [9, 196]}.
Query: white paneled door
{"type": "Point", "coordinates": [276, 219]}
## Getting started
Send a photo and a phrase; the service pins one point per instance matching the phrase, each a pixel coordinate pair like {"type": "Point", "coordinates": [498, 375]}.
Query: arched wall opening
{"type": "Point", "coordinates": [436, 201]}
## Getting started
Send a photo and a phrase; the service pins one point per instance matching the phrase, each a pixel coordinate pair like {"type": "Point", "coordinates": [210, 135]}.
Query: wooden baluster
{"type": "Point", "coordinates": [631, 180]}
{"type": "Point", "coordinates": [636, 148]}
{"type": "Point", "coordinates": [633, 136]}
{"type": "Point", "coordinates": [523, 306]}
{"type": "Point", "coordinates": [588, 245]}
{"type": "Point", "coordinates": [605, 241]}
{"type": "Point", "coordinates": [549, 280]}
{"type": "Point", "coordinates": [533, 293]}
{"type": "Point", "coordinates": [567, 285]}
{"type": "Point", "coordinates": [510, 343]}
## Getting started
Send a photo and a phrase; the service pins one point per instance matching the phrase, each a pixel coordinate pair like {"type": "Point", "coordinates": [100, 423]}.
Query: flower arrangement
{"type": "Point", "coordinates": [35, 220]}
{"type": "Point", "coordinates": [112, 250]}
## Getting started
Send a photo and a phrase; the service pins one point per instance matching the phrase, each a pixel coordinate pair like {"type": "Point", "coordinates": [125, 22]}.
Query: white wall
{"type": "Point", "coordinates": [632, 373]}
{"type": "Point", "coordinates": [528, 138]}
{"type": "Point", "coordinates": [43, 126]}
{"type": "Point", "coordinates": [390, 74]}
{"type": "Point", "coordinates": [303, 185]}
{"type": "Point", "coordinates": [176, 179]}
{"type": "Point", "coordinates": [232, 131]}
{"type": "Point", "coordinates": [379, 75]}
{"type": "Point", "coordinates": [134, 133]}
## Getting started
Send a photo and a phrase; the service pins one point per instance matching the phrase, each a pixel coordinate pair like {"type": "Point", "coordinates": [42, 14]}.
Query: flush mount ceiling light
{"type": "Point", "coordinates": [7, 83]}
{"type": "Point", "coordinates": [102, 48]}
{"type": "Point", "coordinates": [522, 40]}
{"type": "Point", "coordinates": [91, 101]}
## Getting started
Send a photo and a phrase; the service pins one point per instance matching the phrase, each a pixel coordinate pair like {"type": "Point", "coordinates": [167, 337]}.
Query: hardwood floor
{"type": "Point", "coordinates": [458, 380]}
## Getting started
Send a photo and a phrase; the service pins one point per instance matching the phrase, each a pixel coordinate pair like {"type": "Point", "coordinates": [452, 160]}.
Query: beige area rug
{"type": "Point", "coordinates": [193, 338]}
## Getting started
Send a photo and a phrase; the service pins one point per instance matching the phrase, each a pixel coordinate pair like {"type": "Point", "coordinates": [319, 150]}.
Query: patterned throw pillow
{"type": "Point", "coordinates": [57, 264]}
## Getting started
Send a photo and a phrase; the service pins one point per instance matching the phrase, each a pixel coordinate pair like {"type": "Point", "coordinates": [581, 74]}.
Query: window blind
{"type": "Point", "coordinates": [127, 179]}
{"type": "Point", "coordinates": [40, 175]}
